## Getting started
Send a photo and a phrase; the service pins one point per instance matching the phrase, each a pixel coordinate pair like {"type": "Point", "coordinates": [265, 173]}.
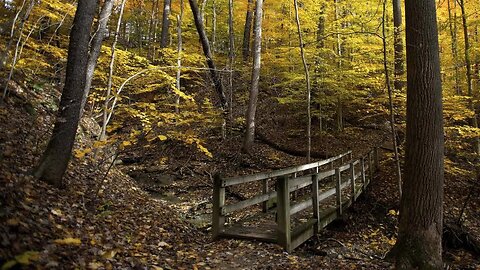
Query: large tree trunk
{"type": "Point", "coordinates": [95, 48]}
{"type": "Point", "coordinates": [165, 24]}
{"type": "Point", "coordinates": [252, 103]}
{"type": "Point", "coordinates": [247, 30]}
{"type": "Point", "coordinates": [419, 244]}
{"type": "Point", "coordinates": [217, 80]}
{"type": "Point", "coordinates": [398, 45]}
{"type": "Point", "coordinates": [307, 79]}
{"type": "Point", "coordinates": [54, 161]}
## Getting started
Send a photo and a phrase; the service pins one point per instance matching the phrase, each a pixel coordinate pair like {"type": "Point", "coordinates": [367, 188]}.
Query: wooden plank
{"type": "Point", "coordinates": [315, 201]}
{"type": "Point", "coordinates": [248, 202]}
{"type": "Point", "coordinates": [259, 176]}
{"type": "Point", "coordinates": [218, 219]}
{"type": "Point", "coordinates": [338, 190]}
{"type": "Point", "coordinates": [352, 179]}
{"type": "Point", "coordinates": [283, 213]}
{"type": "Point", "coordinates": [362, 167]}
{"type": "Point", "coordinates": [300, 206]}
{"type": "Point", "coordinates": [265, 191]}
{"type": "Point", "coordinates": [302, 233]}
{"type": "Point", "coordinates": [249, 234]}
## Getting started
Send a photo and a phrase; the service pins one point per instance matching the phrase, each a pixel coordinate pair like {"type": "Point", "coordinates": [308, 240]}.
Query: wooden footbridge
{"type": "Point", "coordinates": [296, 203]}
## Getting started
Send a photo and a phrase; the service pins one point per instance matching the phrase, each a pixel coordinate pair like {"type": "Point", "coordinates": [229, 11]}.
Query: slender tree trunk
{"type": "Point", "coordinates": [318, 71]}
{"type": "Point", "coordinates": [96, 47]}
{"type": "Point", "coordinates": [208, 54]}
{"type": "Point", "coordinates": [468, 63]}
{"type": "Point", "coordinates": [452, 24]}
{"type": "Point", "coordinates": [231, 58]}
{"type": "Point", "coordinates": [247, 30]}
{"type": "Point", "coordinates": [307, 79]}
{"type": "Point", "coordinates": [419, 244]}
{"type": "Point", "coordinates": [4, 57]}
{"type": "Point", "coordinates": [179, 55]}
{"type": "Point", "coordinates": [204, 5]}
{"type": "Point", "coordinates": [339, 65]}
{"type": "Point", "coordinates": [54, 161]}
{"type": "Point", "coordinates": [103, 134]}
{"type": "Point", "coordinates": [152, 29]}
{"type": "Point", "coordinates": [390, 99]}
{"type": "Point", "coordinates": [252, 103]}
{"type": "Point", "coordinates": [214, 27]}
{"type": "Point", "coordinates": [165, 24]}
{"type": "Point", "coordinates": [398, 45]}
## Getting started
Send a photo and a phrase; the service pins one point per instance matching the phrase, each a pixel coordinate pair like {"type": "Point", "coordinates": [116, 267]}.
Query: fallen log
{"type": "Point", "coordinates": [294, 152]}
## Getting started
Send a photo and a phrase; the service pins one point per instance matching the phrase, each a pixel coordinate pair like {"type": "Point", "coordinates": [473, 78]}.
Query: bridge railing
{"type": "Point", "coordinates": [342, 169]}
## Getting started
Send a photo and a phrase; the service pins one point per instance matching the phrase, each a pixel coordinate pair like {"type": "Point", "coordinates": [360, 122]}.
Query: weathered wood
{"type": "Point", "coordinates": [218, 219]}
{"type": "Point", "coordinates": [315, 202]}
{"type": "Point", "coordinates": [370, 168]}
{"type": "Point", "coordinates": [260, 176]}
{"type": "Point", "coordinates": [283, 213]}
{"type": "Point", "coordinates": [362, 166]}
{"type": "Point", "coordinates": [249, 234]}
{"type": "Point", "coordinates": [265, 191]}
{"type": "Point", "coordinates": [338, 189]}
{"type": "Point", "coordinates": [248, 202]}
{"type": "Point", "coordinates": [300, 206]}
{"type": "Point", "coordinates": [302, 233]}
{"type": "Point", "coordinates": [376, 158]}
{"type": "Point", "coordinates": [352, 179]}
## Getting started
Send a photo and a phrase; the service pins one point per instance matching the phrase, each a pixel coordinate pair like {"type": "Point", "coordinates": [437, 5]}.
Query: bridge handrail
{"type": "Point", "coordinates": [262, 175]}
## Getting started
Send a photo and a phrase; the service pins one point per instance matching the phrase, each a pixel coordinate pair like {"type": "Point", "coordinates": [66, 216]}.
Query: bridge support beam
{"type": "Point", "coordinates": [218, 219]}
{"type": "Point", "coordinates": [283, 212]}
{"type": "Point", "coordinates": [315, 204]}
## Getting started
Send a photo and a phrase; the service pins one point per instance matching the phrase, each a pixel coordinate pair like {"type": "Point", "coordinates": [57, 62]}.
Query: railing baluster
{"type": "Point", "coordinates": [370, 167]}
{"type": "Point", "coordinates": [265, 191]}
{"type": "Point", "coordinates": [283, 212]}
{"type": "Point", "coordinates": [352, 177]}
{"type": "Point", "coordinates": [316, 210]}
{"type": "Point", "coordinates": [375, 154]}
{"type": "Point", "coordinates": [362, 165]}
{"type": "Point", "coordinates": [338, 178]}
{"type": "Point", "coordinates": [218, 219]}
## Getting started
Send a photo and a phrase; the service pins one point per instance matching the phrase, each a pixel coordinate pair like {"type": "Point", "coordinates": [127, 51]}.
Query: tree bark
{"type": "Point", "coordinates": [103, 134]}
{"type": "Point", "coordinates": [231, 58]}
{"type": "Point", "coordinates": [468, 63]}
{"type": "Point", "coordinates": [307, 79]}
{"type": "Point", "coordinates": [398, 46]}
{"type": "Point", "coordinates": [96, 47]}
{"type": "Point", "coordinates": [390, 99]}
{"type": "Point", "coordinates": [452, 24]}
{"type": "Point", "coordinates": [179, 55]}
{"type": "Point", "coordinates": [54, 161]}
{"type": "Point", "coordinates": [419, 244]}
{"type": "Point", "coordinates": [214, 27]}
{"type": "Point", "coordinates": [208, 54]}
{"type": "Point", "coordinates": [165, 24]}
{"type": "Point", "coordinates": [247, 31]}
{"type": "Point", "coordinates": [252, 103]}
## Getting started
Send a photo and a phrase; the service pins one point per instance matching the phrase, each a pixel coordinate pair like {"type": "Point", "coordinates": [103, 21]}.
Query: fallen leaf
{"type": "Point", "coordinates": [27, 257]}
{"type": "Point", "coordinates": [68, 241]}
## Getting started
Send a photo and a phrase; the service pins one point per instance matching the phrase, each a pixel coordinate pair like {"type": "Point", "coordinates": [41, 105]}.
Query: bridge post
{"type": "Point", "coordinates": [316, 211]}
{"type": "Point", "coordinates": [362, 165]}
{"type": "Point", "coordinates": [283, 212]}
{"type": "Point", "coordinates": [265, 191]}
{"type": "Point", "coordinates": [352, 177]}
{"type": "Point", "coordinates": [370, 168]}
{"type": "Point", "coordinates": [218, 219]}
{"type": "Point", "coordinates": [338, 189]}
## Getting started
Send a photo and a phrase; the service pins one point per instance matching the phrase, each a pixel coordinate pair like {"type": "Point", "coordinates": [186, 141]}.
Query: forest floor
{"type": "Point", "coordinates": [146, 214]}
